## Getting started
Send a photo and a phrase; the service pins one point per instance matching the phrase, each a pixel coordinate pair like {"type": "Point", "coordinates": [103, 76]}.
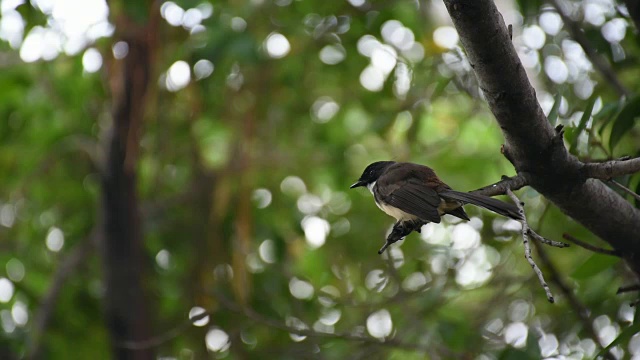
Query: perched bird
{"type": "Point", "coordinates": [414, 195]}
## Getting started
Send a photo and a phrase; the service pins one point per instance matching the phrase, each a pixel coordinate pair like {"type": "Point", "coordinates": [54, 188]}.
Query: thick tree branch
{"type": "Point", "coordinates": [531, 144]}
{"type": "Point", "coordinates": [610, 169]}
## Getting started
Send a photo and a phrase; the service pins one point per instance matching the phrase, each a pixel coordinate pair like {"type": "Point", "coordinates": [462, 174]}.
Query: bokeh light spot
{"type": "Point", "coordinates": [315, 230]}
{"type": "Point", "coordinates": [198, 311]}
{"type": "Point", "coordinates": [515, 334]}
{"type": "Point", "coordinates": [217, 340]}
{"type": "Point", "coordinates": [332, 54]}
{"type": "Point", "coordinates": [372, 78]}
{"type": "Point", "coordinates": [15, 270]}
{"type": "Point", "coordinates": [54, 239]}
{"type": "Point", "coordinates": [91, 60]}
{"type": "Point", "coordinates": [446, 37]}
{"type": "Point", "coordinates": [379, 324]}
{"type": "Point", "coordinates": [533, 37]}
{"type": "Point", "coordinates": [300, 289]}
{"type": "Point", "coordinates": [202, 68]}
{"type": "Point", "coordinates": [262, 198]}
{"type": "Point", "coordinates": [6, 290]}
{"type": "Point", "coordinates": [178, 76]}
{"type": "Point", "coordinates": [324, 109]}
{"type": "Point", "coordinates": [277, 45]}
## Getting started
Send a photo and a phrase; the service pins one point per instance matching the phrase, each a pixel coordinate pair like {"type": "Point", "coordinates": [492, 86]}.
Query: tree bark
{"type": "Point", "coordinates": [531, 144]}
{"type": "Point", "coordinates": [122, 249]}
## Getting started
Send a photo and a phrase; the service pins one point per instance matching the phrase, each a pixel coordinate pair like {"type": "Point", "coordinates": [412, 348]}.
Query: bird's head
{"type": "Point", "coordinates": [372, 173]}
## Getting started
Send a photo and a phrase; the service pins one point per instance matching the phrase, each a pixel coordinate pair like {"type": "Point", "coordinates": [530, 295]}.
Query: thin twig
{"type": "Point", "coordinates": [625, 189]}
{"type": "Point", "coordinates": [164, 337]}
{"type": "Point", "coordinates": [546, 241]}
{"type": "Point", "coordinates": [258, 318]}
{"type": "Point", "coordinates": [589, 246]}
{"type": "Point", "coordinates": [526, 230]}
{"type": "Point", "coordinates": [69, 265]}
{"type": "Point", "coordinates": [628, 288]}
{"type": "Point", "coordinates": [596, 59]}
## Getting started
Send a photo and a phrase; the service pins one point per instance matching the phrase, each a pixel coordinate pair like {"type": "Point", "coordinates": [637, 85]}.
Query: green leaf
{"type": "Point", "coordinates": [624, 121]}
{"type": "Point", "coordinates": [606, 114]}
{"type": "Point", "coordinates": [594, 265]}
{"type": "Point", "coordinates": [583, 123]}
{"type": "Point", "coordinates": [553, 114]}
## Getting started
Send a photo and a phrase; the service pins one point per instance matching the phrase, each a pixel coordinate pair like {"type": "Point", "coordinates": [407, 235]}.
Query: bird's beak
{"type": "Point", "coordinates": [357, 184]}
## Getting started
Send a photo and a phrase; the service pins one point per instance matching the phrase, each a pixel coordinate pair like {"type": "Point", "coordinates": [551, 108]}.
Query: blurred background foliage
{"type": "Point", "coordinates": [260, 115]}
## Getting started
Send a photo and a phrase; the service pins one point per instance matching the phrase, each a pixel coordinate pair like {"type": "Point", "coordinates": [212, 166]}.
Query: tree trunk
{"type": "Point", "coordinates": [531, 144]}
{"type": "Point", "coordinates": [122, 245]}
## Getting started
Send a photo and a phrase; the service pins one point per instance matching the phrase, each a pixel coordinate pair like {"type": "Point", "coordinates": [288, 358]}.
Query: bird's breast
{"type": "Point", "coordinates": [395, 212]}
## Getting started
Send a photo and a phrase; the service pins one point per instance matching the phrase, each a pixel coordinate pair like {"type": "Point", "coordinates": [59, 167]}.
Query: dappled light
{"type": "Point", "coordinates": [176, 179]}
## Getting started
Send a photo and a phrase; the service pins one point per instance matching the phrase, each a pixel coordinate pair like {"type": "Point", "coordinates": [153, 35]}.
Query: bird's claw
{"type": "Point", "coordinates": [400, 231]}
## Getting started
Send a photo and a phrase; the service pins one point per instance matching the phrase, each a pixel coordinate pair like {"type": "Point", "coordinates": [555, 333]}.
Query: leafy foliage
{"type": "Point", "coordinates": [243, 176]}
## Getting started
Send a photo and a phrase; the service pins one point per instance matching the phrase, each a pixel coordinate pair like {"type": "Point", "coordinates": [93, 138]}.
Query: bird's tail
{"type": "Point", "coordinates": [495, 205]}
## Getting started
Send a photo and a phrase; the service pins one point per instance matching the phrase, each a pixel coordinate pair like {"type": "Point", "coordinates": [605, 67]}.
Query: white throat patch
{"type": "Point", "coordinates": [370, 186]}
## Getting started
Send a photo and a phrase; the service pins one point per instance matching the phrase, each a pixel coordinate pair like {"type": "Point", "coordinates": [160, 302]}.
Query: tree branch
{"type": "Point", "coordinates": [531, 144]}
{"type": "Point", "coordinates": [260, 319]}
{"type": "Point", "coordinates": [164, 337]}
{"type": "Point", "coordinates": [589, 246]}
{"type": "Point", "coordinates": [610, 169]}
{"type": "Point", "coordinates": [629, 288]}
{"type": "Point", "coordinates": [69, 265]}
{"type": "Point", "coordinates": [500, 188]}
{"type": "Point", "coordinates": [625, 189]}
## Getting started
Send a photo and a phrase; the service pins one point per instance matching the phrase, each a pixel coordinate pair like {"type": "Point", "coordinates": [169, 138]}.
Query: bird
{"type": "Point", "coordinates": [414, 195]}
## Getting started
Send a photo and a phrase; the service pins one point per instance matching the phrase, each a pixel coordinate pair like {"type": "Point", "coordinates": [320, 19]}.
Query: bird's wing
{"type": "Point", "coordinates": [410, 195]}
